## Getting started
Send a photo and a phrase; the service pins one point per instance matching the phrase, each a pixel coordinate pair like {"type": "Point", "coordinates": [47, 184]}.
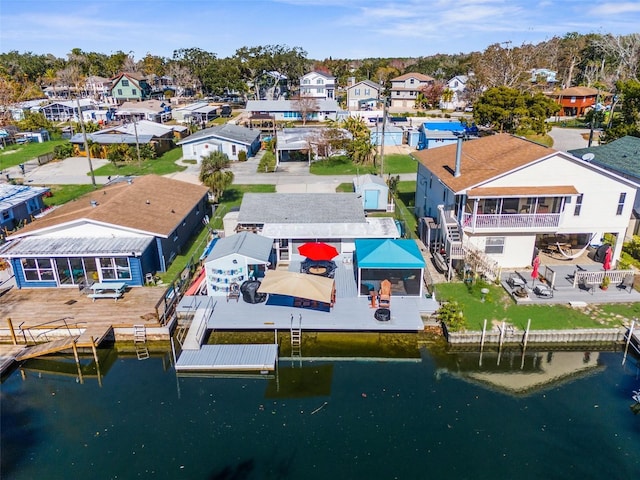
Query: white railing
{"type": "Point", "coordinates": [516, 221]}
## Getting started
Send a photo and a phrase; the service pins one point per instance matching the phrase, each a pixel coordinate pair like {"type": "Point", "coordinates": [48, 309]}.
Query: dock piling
{"type": "Point", "coordinates": [629, 337]}
{"type": "Point", "coordinates": [484, 332]}
{"type": "Point", "coordinates": [524, 342]}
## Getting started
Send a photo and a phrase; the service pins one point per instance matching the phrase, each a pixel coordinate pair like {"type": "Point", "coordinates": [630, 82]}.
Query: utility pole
{"type": "Point", "coordinates": [593, 118]}
{"type": "Point", "coordinates": [384, 122]}
{"type": "Point", "coordinates": [86, 143]}
{"type": "Point", "coordinates": [135, 129]}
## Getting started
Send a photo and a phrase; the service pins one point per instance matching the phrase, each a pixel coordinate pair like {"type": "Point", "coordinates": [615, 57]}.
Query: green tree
{"type": "Point", "coordinates": [120, 153]}
{"type": "Point", "coordinates": [501, 107]}
{"type": "Point", "coordinates": [147, 152]}
{"type": "Point", "coordinates": [213, 173]}
{"type": "Point", "coordinates": [34, 121]}
{"type": "Point", "coordinates": [627, 122]}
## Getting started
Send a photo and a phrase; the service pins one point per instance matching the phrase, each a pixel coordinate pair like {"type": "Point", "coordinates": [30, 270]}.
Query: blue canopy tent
{"type": "Point", "coordinates": [398, 260]}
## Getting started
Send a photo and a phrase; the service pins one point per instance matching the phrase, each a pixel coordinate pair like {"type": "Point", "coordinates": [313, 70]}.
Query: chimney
{"type": "Point", "coordinates": [458, 156]}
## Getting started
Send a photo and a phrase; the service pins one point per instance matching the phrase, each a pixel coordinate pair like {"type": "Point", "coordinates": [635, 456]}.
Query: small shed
{"type": "Point", "coordinates": [398, 260]}
{"type": "Point", "coordinates": [235, 259]}
{"type": "Point", "coordinates": [372, 190]}
{"type": "Point", "coordinates": [392, 135]}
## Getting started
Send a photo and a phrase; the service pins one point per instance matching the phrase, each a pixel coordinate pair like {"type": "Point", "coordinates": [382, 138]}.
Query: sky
{"type": "Point", "coordinates": [351, 29]}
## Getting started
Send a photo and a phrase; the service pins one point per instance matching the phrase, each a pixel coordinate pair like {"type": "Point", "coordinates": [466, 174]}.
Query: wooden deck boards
{"type": "Point", "coordinates": [35, 306]}
{"type": "Point", "coordinates": [251, 357]}
{"type": "Point", "coordinates": [46, 348]}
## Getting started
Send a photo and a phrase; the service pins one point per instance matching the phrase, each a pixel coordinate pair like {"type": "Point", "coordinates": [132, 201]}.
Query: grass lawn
{"type": "Point", "coordinates": [498, 306]}
{"type": "Point", "coordinates": [160, 166]}
{"type": "Point", "coordinates": [545, 140]}
{"type": "Point", "coordinates": [397, 163]}
{"type": "Point", "coordinates": [405, 199]}
{"type": "Point", "coordinates": [231, 198]}
{"type": "Point", "coordinates": [393, 164]}
{"type": "Point", "coordinates": [14, 155]}
{"type": "Point", "coordinates": [344, 187]}
{"type": "Point", "coordinates": [339, 166]}
{"type": "Point", "coordinates": [65, 193]}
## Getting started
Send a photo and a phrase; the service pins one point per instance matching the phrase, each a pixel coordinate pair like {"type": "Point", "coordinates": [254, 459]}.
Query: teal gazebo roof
{"type": "Point", "coordinates": [388, 253]}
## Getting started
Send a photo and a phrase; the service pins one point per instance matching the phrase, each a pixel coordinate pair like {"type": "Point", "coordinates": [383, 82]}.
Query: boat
{"type": "Point", "coordinates": [636, 396]}
{"type": "Point", "coordinates": [197, 283]}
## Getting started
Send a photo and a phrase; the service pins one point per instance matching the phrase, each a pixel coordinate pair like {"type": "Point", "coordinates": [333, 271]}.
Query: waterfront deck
{"type": "Point", "coordinates": [28, 308]}
{"type": "Point", "coordinates": [249, 358]}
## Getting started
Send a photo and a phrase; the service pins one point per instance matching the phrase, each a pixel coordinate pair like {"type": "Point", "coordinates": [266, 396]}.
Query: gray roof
{"type": "Point", "coordinates": [110, 138]}
{"type": "Point", "coordinates": [250, 245]}
{"type": "Point", "coordinates": [288, 106]}
{"type": "Point", "coordinates": [86, 246]}
{"type": "Point", "coordinates": [369, 179]}
{"type": "Point", "coordinates": [621, 155]}
{"type": "Point", "coordinates": [12, 195]}
{"type": "Point", "coordinates": [301, 208]}
{"type": "Point", "coordinates": [227, 131]}
{"type": "Point", "coordinates": [368, 83]}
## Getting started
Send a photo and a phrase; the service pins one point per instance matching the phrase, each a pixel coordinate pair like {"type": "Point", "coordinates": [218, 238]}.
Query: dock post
{"type": "Point", "coordinates": [75, 354]}
{"type": "Point", "coordinates": [484, 331]}
{"type": "Point", "coordinates": [524, 343]}
{"type": "Point", "coordinates": [629, 337]}
{"type": "Point", "coordinates": [13, 333]}
{"type": "Point", "coordinates": [501, 341]}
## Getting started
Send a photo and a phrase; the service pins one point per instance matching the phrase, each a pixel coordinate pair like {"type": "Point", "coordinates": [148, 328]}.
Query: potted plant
{"type": "Point", "coordinates": [605, 282]}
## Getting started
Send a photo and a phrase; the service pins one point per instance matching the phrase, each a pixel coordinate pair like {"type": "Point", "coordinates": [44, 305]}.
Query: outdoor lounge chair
{"type": "Point", "coordinates": [543, 291]}
{"type": "Point", "coordinates": [384, 300]}
{"type": "Point", "coordinates": [585, 285]}
{"type": "Point", "coordinates": [626, 283]}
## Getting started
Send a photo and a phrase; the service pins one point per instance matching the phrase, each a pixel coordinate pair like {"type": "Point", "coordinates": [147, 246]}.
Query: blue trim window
{"type": "Point", "coordinates": [37, 269]}
{"type": "Point", "coordinates": [114, 268]}
{"type": "Point", "coordinates": [621, 200]}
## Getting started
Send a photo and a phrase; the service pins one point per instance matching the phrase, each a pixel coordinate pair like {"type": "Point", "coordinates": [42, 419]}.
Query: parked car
{"type": "Point", "coordinates": [225, 110]}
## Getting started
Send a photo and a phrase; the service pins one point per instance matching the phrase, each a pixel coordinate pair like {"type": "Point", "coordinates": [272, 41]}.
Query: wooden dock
{"type": "Point", "coordinates": [8, 355]}
{"type": "Point", "coordinates": [47, 348]}
{"type": "Point", "coordinates": [247, 358]}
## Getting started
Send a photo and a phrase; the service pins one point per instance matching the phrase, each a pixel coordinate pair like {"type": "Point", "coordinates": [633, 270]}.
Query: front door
{"type": "Point", "coordinates": [371, 199]}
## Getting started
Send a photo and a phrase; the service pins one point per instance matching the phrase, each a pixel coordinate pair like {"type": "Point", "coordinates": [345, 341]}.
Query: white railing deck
{"type": "Point", "coordinates": [516, 221]}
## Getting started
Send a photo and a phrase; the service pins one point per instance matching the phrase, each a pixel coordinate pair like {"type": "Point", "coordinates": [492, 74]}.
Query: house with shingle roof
{"type": "Point", "coordinates": [228, 138]}
{"type": "Point", "coordinates": [405, 88]}
{"type": "Point", "coordinates": [129, 86]}
{"type": "Point", "coordinates": [120, 233]}
{"type": "Point", "coordinates": [575, 101]}
{"type": "Point", "coordinates": [363, 95]}
{"type": "Point", "coordinates": [505, 195]}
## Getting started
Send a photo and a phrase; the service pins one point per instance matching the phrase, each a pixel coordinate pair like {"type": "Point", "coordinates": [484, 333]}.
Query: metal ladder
{"type": "Point", "coordinates": [296, 338]}
{"type": "Point", "coordinates": [140, 341]}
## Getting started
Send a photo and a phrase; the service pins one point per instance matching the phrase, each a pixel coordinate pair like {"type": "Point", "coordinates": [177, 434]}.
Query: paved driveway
{"type": "Point", "coordinates": [566, 139]}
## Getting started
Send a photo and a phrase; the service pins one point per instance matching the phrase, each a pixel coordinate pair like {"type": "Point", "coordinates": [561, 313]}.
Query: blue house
{"type": "Point", "coordinates": [19, 204]}
{"type": "Point", "coordinates": [372, 190]}
{"type": "Point", "coordinates": [439, 134]}
{"type": "Point", "coordinates": [119, 233]}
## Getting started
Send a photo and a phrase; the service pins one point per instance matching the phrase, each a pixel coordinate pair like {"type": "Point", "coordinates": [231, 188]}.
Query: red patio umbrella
{"type": "Point", "coordinates": [607, 259]}
{"type": "Point", "coordinates": [318, 251]}
{"type": "Point", "coordinates": [536, 267]}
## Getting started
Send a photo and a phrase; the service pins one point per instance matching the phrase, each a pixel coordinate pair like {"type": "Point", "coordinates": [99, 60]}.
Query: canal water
{"type": "Point", "coordinates": [423, 414]}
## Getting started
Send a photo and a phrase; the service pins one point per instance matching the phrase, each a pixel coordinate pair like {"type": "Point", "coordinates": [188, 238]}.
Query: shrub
{"type": "Point", "coordinates": [451, 314]}
{"type": "Point", "coordinates": [242, 156]}
{"type": "Point", "coordinates": [63, 151]}
{"type": "Point", "coordinates": [267, 163]}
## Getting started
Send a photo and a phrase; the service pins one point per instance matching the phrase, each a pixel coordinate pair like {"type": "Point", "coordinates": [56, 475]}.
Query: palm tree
{"type": "Point", "coordinates": [51, 77]}
{"type": "Point", "coordinates": [214, 175]}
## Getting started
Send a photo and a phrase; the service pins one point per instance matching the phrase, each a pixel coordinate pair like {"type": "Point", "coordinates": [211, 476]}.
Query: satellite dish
{"type": "Point", "coordinates": [587, 157]}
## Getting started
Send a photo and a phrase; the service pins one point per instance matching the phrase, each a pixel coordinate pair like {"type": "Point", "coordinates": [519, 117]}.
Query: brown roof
{"type": "Point", "coordinates": [150, 204]}
{"type": "Point", "coordinates": [481, 160]}
{"type": "Point", "coordinates": [577, 92]}
{"type": "Point", "coordinates": [418, 76]}
{"type": "Point", "coordinates": [490, 192]}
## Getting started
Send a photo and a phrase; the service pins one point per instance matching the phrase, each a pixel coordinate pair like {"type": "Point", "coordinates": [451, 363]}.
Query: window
{"type": "Point", "coordinates": [411, 81]}
{"type": "Point", "coordinates": [32, 205]}
{"type": "Point", "coordinates": [6, 215]}
{"type": "Point", "coordinates": [623, 197]}
{"type": "Point", "coordinates": [367, 91]}
{"type": "Point", "coordinates": [397, 93]}
{"type": "Point", "coordinates": [494, 245]}
{"type": "Point", "coordinates": [134, 91]}
{"type": "Point", "coordinates": [321, 90]}
{"type": "Point", "coordinates": [233, 150]}
{"type": "Point", "coordinates": [357, 91]}
{"type": "Point", "coordinates": [37, 269]}
{"type": "Point", "coordinates": [578, 207]}
{"type": "Point", "coordinates": [306, 81]}
{"type": "Point", "coordinates": [573, 99]}
{"type": "Point", "coordinates": [125, 83]}
{"type": "Point", "coordinates": [114, 268]}
{"type": "Point", "coordinates": [119, 91]}
{"type": "Point", "coordinates": [319, 82]}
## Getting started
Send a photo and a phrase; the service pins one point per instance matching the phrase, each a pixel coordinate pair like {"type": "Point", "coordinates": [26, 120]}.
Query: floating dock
{"type": "Point", "coordinates": [248, 358]}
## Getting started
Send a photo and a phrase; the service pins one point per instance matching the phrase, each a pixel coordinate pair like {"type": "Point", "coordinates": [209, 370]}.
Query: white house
{"type": "Point", "coordinates": [289, 110]}
{"type": "Point", "coordinates": [318, 85]}
{"type": "Point", "coordinates": [457, 85]}
{"type": "Point", "coordinates": [293, 219]}
{"type": "Point", "coordinates": [235, 259]}
{"type": "Point", "coordinates": [228, 138]}
{"type": "Point", "coordinates": [504, 196]}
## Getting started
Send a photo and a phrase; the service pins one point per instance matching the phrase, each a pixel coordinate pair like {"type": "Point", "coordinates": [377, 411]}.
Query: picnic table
{"type": "Point", "coordinates": [113, 290]}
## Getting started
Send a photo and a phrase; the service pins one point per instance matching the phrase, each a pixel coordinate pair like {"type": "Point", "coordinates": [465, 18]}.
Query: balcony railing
{"type": "Point", "coordinates": [513, 221]}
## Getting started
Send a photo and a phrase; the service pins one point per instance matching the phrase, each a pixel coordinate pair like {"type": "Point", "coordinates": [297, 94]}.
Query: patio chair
{"type": "Point", "coordinates": [384, 300]}
{"type": "Point", "coordinates": [543, 291]}
{"type": "Point", "coordinates": [626, 283]}
{"type": "Point", "coordinates": [234, 292]}
{"type": "Point", "coordinates": [585, 285]}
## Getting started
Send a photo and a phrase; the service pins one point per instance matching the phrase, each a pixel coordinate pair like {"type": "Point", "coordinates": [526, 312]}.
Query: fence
{"type": "Point", "coordinates": [511, 336]}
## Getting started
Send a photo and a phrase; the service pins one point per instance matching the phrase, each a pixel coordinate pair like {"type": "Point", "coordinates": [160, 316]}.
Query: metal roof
{"type": "Point", "coordinates": [64, 246]}
{"type": "Point", "coordinates": [12, 195]}
{"type": "Point", "coordinates": [227, 131]}
{"type": "Point", "coordinates": [288, 106]}
{"type": "Point", "coordinates": [374, 227]}
{"type": "Point", "coordinates": [250, 245]}
{"type": "Point", "coordinates": [110, 138]}
{"type": "Point", "coordinates": [301, 208]}
{"type": "Point", "coordinates": [369, 179]}
{"type": "Point", "coordinates": [389, 253]}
